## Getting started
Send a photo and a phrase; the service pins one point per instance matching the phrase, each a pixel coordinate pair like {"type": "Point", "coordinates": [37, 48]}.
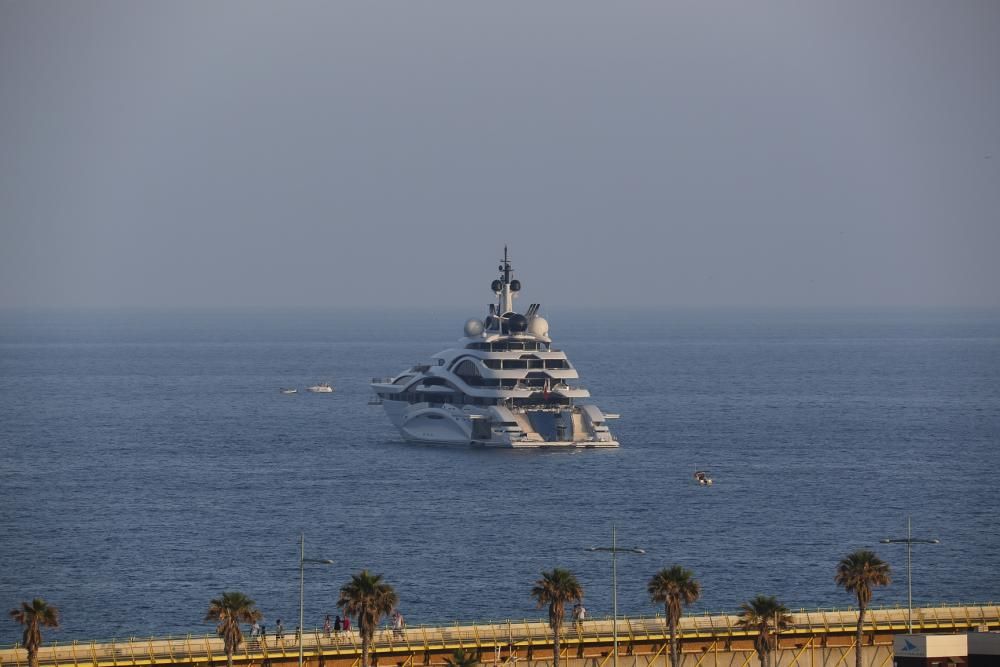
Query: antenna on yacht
{"type": "Point", "coordinates": [507, 287]}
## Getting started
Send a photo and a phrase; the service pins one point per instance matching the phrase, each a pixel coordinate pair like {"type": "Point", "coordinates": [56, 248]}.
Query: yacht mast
{"type": "Point", "coordinates": [506, 294]}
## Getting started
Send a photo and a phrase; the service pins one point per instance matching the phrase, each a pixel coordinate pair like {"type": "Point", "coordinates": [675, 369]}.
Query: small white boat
{"type": "Point", "coordinates": [321, 388]}
{"type": "Point", "coordinates": [701, 476]}
{"type": "Point", "coordinates": [289, 391]}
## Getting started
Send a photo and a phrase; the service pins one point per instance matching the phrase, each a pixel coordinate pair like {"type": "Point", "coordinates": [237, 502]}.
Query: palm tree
{"type": "Point", "coordinates": [367, 598]}
{"type": "Point", "coordinates": [230, 610]}
{"type": "Point", "coordinates": [857, 573]}
{"type": "Point", "coordinates": [462, 658]}
{"type": "Point", "coordinates": [765, 614]}
{"type": "Point", "coordinates": [674, 587]}
{"type": "Point", "coordinates": [556, 589]}
{"type": "Point", "coordinates": [33, 616]}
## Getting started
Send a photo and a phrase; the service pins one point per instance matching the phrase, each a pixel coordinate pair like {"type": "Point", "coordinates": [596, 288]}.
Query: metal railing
{"type": "Point", "coordinates": [508, 635]}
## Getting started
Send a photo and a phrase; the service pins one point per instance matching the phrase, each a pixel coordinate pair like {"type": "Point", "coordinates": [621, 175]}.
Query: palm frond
{"type": "Point", "coordinates": [33, 616]}
{"type": "Point", "coordinates": [462, 658]}
{"type": "Point", "coordinates": [368, 598]}
{"type": "Point", "coordinates": [230, 610]}
{"type": "Point", "coordinates": [556, 588]}
{"type": "Point", "coordinates": [674, 587]}
{"type": "Point", "coordinates": [859, 572]}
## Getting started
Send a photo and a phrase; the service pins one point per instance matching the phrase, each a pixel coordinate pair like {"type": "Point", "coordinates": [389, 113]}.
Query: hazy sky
{"type": "Point", "coordinates": [662, 153]}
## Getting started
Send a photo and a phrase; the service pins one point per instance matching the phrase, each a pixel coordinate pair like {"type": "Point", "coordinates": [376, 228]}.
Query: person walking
{"type": "Point", "coordinates": [337, 625]}
{"type": "Point", "coordinates": [327, 626]}
{"type": "Point", "coordinates": [279, 631]}
{"type": "Point", "coordinates": [398, 624]}
{"type": "Point", "coordinates": [347, 623]}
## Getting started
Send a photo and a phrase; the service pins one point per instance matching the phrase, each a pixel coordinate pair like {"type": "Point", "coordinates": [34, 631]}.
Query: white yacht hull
{"type": "Point", "coordinates": [451, 425]}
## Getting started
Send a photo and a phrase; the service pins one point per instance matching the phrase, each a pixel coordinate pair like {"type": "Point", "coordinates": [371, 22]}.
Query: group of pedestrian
{"type": "Point", "coordinates": [337, 626]}
{"type": "Point", "coordinates": [330, 627]}
{"type": "Point", "coordinates": [398, 623]}
{"type": "Point", "coordinates": [258, 631]}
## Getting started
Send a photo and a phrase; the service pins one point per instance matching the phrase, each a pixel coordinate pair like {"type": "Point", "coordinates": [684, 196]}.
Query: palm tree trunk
{"type": "Point", "coordinates": [229, 656]}
{"type": "Point", "coordinates": [760, 645]}
{"type": "Point", "coordinates": [555, 645]}
{"type": "Point", "coordinates": [673, 642]}
{"type": "Point", "coordinates": [364, 649]}
{"type": "Point", "coordinates": [32, 656]}
{"type": "Point", "coordinates": [858, 636]}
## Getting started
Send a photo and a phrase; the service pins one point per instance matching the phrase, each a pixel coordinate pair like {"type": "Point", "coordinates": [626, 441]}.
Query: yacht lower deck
{"type": "Point", "coordinates": [547, 444]}
{"type": "Point", "coordinates": [499, 427]}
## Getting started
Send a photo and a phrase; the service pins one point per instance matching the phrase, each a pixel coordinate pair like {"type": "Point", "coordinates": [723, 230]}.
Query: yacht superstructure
{"type": "Point", "coordinates": [503, 386]}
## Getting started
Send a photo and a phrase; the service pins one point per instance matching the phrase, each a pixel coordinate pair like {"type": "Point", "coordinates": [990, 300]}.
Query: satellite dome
{"type": "Point", "coordinates": [538, 326]}
{"type": "Point", "coordinates": [515, 286]}
{"type": "Point", "coordinates": [473, 327]}
{"type": "Point", "coordinates": [517, 323]}
{"type": "Point", "coordinates": [496, 286]}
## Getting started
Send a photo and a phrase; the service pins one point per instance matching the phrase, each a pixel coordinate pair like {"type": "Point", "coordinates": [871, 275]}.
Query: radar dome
{"type": "Point", "coordinates": [496, 285]}
{"type": "Point", "coordinates": [517, 323]}
{"type": "Point", "coordinates": [538, 326]}
{"type": "Point", "coordinates": [473, 327]}
{"type": "Point", "coordinates": [515, 286]}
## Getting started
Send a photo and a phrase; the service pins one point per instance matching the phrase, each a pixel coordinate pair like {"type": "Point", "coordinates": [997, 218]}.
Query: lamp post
{"type": "Point", "coordinates": [302, 585]}
{"type": "Point", "coordinates": [909, 540]}
{"type": "Point", "coordinates": [615, 549]}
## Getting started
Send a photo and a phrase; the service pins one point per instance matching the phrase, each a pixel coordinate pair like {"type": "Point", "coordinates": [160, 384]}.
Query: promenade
{"type": "Point", "coordinates": [820, 637]}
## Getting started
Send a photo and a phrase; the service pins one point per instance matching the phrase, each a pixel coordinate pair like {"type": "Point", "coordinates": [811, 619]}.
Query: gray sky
{"type": "Point", "coordinates": [335, 154]}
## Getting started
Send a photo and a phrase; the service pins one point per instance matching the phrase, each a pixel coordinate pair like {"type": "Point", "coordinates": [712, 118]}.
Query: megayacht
{"type": "Point", "coordinates": [504, 386]}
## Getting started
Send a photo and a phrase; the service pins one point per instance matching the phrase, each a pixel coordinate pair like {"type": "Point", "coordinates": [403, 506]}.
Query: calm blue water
{"type": "Point", "coordinates": [148, 463]}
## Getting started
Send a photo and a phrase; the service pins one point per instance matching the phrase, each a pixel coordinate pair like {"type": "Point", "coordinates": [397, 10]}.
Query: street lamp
{"type": "Point", "coordinates": [909, 540]}
{"type": "Point", "coordinates": [302, 585]}
{"type": "Point", "coordinates": [615, 549]}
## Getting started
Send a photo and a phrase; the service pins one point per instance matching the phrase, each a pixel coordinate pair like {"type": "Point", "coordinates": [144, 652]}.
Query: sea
{"type": "Point", "coordinates": [148, 463]}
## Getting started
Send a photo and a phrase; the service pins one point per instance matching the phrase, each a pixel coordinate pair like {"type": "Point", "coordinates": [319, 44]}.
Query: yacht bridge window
{"type": "Point", "coordinates": [509, 345]}
{"type": "Point", "coordinates": [467, 370]}
{"type": "Point", "coordinates": [504, 364]}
